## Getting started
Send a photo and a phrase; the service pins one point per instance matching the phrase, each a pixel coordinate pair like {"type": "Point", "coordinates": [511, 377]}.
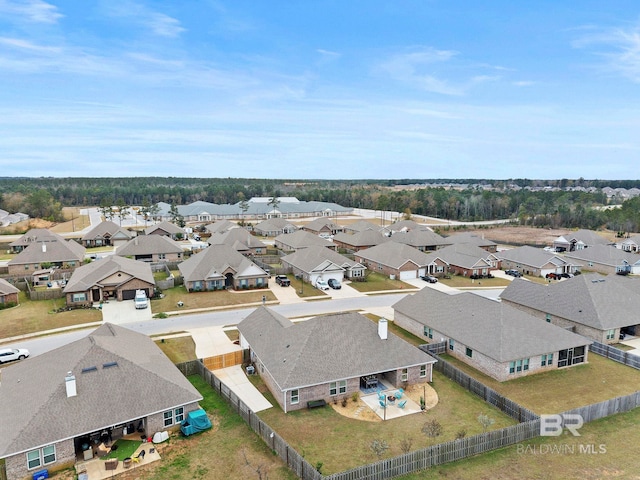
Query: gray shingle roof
{"type": "Point", "coordinates": [95, 273]}
{"type": "Point", "coordinates": [497, 330]}
{"type": "Point", "coordinates": [324, 349]}
{"type": "Point", "coordinates": [275, 225]}
{"type": "Point", "coordinates": [237, 235]}
{"type": "Point", "coordinates": [362, 225]}
{"type": "Point", "coordinates": [311, 258]}
{"type": "Point", "coordinates": [317, 225]}
{"type": "Point", "coordinates": [591, 299]}
{"type": "Point", "coordinates": [167, 227]}
{"type": "Point", "coordinates": [221, 226]}
{"type": "Point", "coordinates": [214, 260]}
{"type": "Point", "coordinates": [587, 237]}
{"type": "Point", "coordinates": [37, 235]}
{"type": "Point", "coordinates": [364, 238]}
{"type": "Point", "coordinates": [35, 409]}
{"type": "Point", "coordinates": [605, 255]}
{"type": "Point", "coordinates": [148, 245]}
{"type": "Point", "coordinates": [534, 257]}
{"type": "Point", "coordinates": [395, 255]}
{"type": "Point", "coordinates": [51, 250]}
{"type": "Point", "coordinates": [302, 239]}
{"type": "Point", "coordinates": [106, 228]}
{"type": "Point", "coordinates": [6, 287]}
{"type": "Point", "coordinates": [464, 255]}
{"type": "Point", "coordinates": [470, 238]}
{"type": "Point", "coordinates": [419, 238]}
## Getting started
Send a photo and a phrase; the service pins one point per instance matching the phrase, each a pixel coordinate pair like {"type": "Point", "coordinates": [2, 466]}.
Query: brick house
{"type": "Point", "coordinates": [398, 260]}
{"type": "Point", "coordinates": [151, 248]}
{"type": "Point", "coordinates": [291, 242]}
{"type": "Point", "coordinates": [497, 339]}
{"type": "Point", "coordinates": [110, 382]}
{"type": "Point", "coordinates": [597, 307]}
{"type": "Point", "coordinates": [51, 252]}
{"type": "Point", "coordinates": [326, 357]}
{"type": "Point", "coordinates": [112, 277]}
{"type": "Point", "coordinates": [467, 260]}
{"type": "Point", "coordinates": [8, 293]}
{"type": "Point", "coordinates": [106, 233]}
{"type": "Point", "coordinates": [536, 261]}
{"type": "Point", "coordinates": [313, 263]}
{"type": "Point", "coordinates": [354, 242]}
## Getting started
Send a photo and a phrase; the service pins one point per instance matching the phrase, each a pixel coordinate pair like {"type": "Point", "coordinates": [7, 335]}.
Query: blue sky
{"type": "Point", "coordinates": [320, 89]}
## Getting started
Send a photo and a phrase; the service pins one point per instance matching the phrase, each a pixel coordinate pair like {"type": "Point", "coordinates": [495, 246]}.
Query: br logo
{"type": "Point", "coordinates": [553, 425]}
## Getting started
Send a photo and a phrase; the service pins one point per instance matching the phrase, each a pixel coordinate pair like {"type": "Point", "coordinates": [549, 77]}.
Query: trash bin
{"type": "Point", "coordinates": [41, 475]}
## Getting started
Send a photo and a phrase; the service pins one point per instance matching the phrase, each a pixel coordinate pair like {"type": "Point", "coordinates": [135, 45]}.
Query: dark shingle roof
{"type": "Point", "coordinates": [591, 299]}
{"type": "Point", "coordinates": [87, 276]}
{"type": "Point", "coordinates": [497, 330]}
{"type": "Point", "coordinates": [395, 255]}
{"type": "Point", "coordinates": [148, 245]}
{"type": "Point", "coordinates": [35, 409]}
{"type": "Point", "coordinates": [212, 262]}
{"type": "Point", "coordinates": [324, 349]}
{"type": "Point", "coordinates": [311, 258]}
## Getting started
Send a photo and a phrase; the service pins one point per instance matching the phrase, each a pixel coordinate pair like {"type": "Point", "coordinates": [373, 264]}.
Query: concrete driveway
{"type": "Point", "coordinates": [124, 312]}
{"type": "Point", "coordinates": [284, 294]}
{"type": "Point", "coordinates": [237, 381]}
{"type": "Point", "coordinates": [212, 341]}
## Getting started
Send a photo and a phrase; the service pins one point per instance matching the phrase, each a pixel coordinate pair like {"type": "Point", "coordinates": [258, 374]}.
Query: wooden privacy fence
{"type": "Point", "coordinates": [596, 411]}
{"type": "Point", "coordinates": [615, 354]}
{"type": "Point", "coordinates": [225, 360]}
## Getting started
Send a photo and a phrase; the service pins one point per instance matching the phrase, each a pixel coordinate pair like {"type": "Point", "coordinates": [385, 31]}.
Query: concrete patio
{"type": "Point", "coordinates": [95, 469]}
{"type": "Point", "coordinates": [392, 410]}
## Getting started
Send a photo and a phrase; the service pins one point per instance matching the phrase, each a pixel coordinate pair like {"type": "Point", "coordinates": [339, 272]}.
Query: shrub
{"type": "Point", "coordinates": [355, 396]}
{"type": "Point", "coordinates": [432, 428]}
{"type": "Point", "coordinates": [344, 401]}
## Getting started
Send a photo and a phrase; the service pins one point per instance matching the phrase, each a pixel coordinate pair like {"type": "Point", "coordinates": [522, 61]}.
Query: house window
{"type": "Point", "coordinates": [243, 283]}
{"type": "Point", "coordinates": [548, 318]}
{"type": "Point", "coordinates": [469, 352]}
{"type": "Point", "coordinates": [173, 417]}
{"type": "Point", "coordinates": [42, 456]}
{"type": "Point", "coordinates": [79, 297]}
{"type": "Point", "coordinates": [404, 376]}
{"type": "Point", "coordinates": [611, 334]}
{"type": "Point", "coordinates": [423, 371]}
{"type": "Point", "coordinates": [451, 344]}
{"type": "Point", "coordinates": [295, 396]}
{"type": "Point", "coordinates": [512, 367]}
{"type": "Point", "coordinates": [547, 360]}
{"type": "Point", "coordinates": [161, 256]}
{"type": "Point", "coordinates": [428, 332]}
{"type": "Point", "coordinates": [342, 386]}
{"type": "Point", "coordinates": [519, 365]}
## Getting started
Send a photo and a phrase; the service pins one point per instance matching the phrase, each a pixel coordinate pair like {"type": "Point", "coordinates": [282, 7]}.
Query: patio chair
{"type": "Point", "coordinates": [382, 404]}
{"type": "Point", "coordinates": [402, 404]}
{"type": "Point", "coordinates": [138, 457]}
{"type": "Point", "coordinates": [381, 396]}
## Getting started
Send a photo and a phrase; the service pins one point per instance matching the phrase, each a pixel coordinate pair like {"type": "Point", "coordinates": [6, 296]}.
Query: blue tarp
{"type": "Point", "coordinates": [196, 421]}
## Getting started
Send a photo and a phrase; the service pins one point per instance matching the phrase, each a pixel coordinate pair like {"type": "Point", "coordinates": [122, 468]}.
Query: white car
{"type": "Point", "coordinates": [322, 285]}
{"type": "Point", "coordinates": [11, 354]}
{"type": "Point", "coordinates": [141, 299]}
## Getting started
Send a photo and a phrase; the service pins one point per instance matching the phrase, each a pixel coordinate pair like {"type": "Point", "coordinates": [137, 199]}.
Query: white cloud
{"type": "Point", "coordinates": [31, 10]}
{"type": "Point", "coordinates": [412, 68]}
{"type": "Point", "coordinates": [19, 44]}
{"type": "Point", "coordinates": [620, 47]}
{"type": "Point", "coordinates": [523, 83]}
{"type": "Point", "coordinates": [158, 23]}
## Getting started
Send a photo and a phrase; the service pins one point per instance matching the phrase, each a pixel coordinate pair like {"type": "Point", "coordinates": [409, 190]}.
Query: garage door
{"type": "Point", "coordinates": [408, 275]}
{"type": "Point", "coordinates": [128, 294]}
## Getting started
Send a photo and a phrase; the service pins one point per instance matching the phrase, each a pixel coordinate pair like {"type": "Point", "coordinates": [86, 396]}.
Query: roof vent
{"type": "Point", "coordinates": [109, 364]}
{"type": "Point", "coordinates": [89, 369]}
{"type": "Point", "coordinates": [383, 328]}
{"type": "Point", "coordinates": [70, 384]}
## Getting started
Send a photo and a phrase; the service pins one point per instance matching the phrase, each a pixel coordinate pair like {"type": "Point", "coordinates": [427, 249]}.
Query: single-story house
{"type": "Point", "coordinates": [273, 227]}
{"type": "Point", "coordinates": [497, 339]}
{"type": "Point", "coordinates": [631, 244]}
{"type": "Point", "coordinates": [151, 248]}
{"type": "Point", "coordinates": [52, 252]}
{"type": "Point", "coordinates": [220, 266]}
{"type": "Point", "coordinates": [113, 382]}
{"type": "Point", "coordinates": [591, 305]}
{"type": "Point", "coordinates": [8, 294]}
{"type": "Point", "coordinates": [472, 238]}
{"type": "Point", "coordinates": [606, 259]}
{"type": "Point", "coordinates": [291, 242]}
{"type": "Point", "coordinates": [322, 225]}
{"type": "Point", "coordinates": [315, 262]}
{"type": "Point", "coordinates": [466, 259]}
{"type": "Point", "coordinates": [166, 229]}
{"type": "Point", "coordinates": [403, 226]}
{"type": "Point", "coordinates": [112, 277]}
{"type": "Point", "coordinates": [397, 260]}
{"type": "Point", "coordinates": [579, 240]}
{"type": "Point", "coordinates": [360, 240]}
{"type": "Point", "coordinates": [536, 261]}
{"type": "Point", "coordinates": [106, 234]}
{"type": "Point", "coordinates": [360, 226]}
{"type": "Point", "coordinates": [34, 235]}
{"type": "Point", "coordinates": [241, 239]}
{"type": "Point", "coordinates": [220, 226]}
{"type": "Point", "coordinates": [327, 357]}
{"type": "Point", "coordinates": [423, 240]}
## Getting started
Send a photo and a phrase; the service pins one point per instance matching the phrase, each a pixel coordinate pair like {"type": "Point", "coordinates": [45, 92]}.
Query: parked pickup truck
{"type": "Point", "coordinates": [283, 280]}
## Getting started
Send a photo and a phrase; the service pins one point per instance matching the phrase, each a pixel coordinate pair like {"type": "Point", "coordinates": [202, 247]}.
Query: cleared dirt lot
{"type": "Point", "coordinates": [528, 235]}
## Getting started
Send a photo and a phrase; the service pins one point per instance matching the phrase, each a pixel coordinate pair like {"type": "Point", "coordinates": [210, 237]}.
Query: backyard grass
{"type": "Point", "coordinates": [35, 316]}
{"type": "Point", "coordinates": [230, 450]}
{"type": "Point", "coordinates": [220, 298]}
{"type": "Point", "coordinates": [560, 390]}
{"type": "Point", "coordinates": [178, 349]}
{"type": "Point", "coordinates": [376, 282]}
{"type": "Point", "coordinates": [341, 443]}
{"type": "Point", "coordinates": [555, 457]}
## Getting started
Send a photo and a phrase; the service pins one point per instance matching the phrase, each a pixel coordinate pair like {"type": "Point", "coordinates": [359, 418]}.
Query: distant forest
{"type": "Point", "coordinates": [45, 197]}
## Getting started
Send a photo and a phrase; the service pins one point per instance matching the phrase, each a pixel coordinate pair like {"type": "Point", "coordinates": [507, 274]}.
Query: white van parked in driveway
{"type": "Point", "coordinates": [141, 300]}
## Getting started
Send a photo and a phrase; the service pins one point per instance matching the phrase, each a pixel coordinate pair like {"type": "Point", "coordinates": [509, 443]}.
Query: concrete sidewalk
{"type": "Point", "coordinates": [237, 381]}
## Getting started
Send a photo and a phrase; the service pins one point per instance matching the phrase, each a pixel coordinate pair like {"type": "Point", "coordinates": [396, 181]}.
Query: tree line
{"type": "Point", "coordinates": [45, 197]}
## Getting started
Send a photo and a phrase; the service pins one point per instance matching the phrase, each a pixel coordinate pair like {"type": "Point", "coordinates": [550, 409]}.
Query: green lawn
{"type": "Point", "coordinates": [36, 316]}
{"type": "Point", "coordinates": [196, 300]}
{"type": "Point", "coordinates": [561, 390]}
{"type": "Point", "coordinates": [178, 349]}
{"type": "Point", "coordinates": [555, 457]}
{"type": "Point", "coordinates": [377, 282]}
{"type": "Point", "coordinates": [341, 443]}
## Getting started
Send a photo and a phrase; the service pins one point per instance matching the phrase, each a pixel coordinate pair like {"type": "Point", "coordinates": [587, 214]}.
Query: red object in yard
{"type": "Point", "coordinates": [149, 440]}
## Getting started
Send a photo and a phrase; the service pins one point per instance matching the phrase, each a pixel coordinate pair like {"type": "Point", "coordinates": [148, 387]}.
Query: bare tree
{"type": "Point", "coordinates": [261, 470]}
{"type": "Point", "coordinates": [379, 446]}
{"type": "Point", "coordinates": [432, 428]}
{"type": "Point", "coordinates": [486, 421]}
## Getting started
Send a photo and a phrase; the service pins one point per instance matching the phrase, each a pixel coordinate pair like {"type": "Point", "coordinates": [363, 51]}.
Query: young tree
{"type": "Point", "coordinates": [432, 428]}
{"type": "Point", "coordinates": [379, 446]}
{"type": "Point", "coordinates": [106, 208]}
{"type": "Point", "coordinates": [244, 206]}
{"type": "Point", "coordinates": [486, 421]}
{"type": "Point", "coordinates": [123, 209]}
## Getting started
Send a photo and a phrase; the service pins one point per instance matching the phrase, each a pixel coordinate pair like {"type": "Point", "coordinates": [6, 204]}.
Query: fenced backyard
{"type": "Point", "coordinates": [615, 354]}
